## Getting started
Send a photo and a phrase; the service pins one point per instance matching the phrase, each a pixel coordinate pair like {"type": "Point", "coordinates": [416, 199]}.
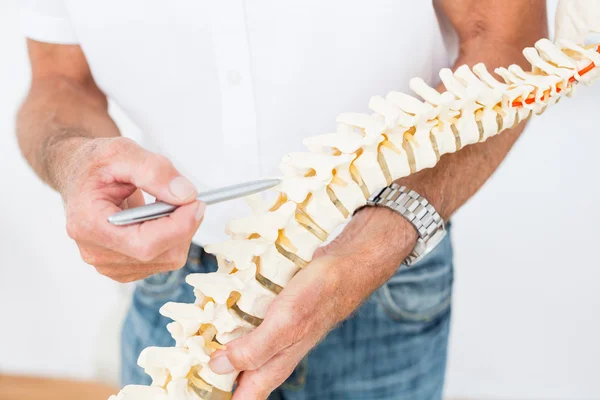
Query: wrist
{"type": "Point", "coordinates": [425, 183]}
{"type": "Point", "coordinates": [376, 237]}
{"type": "Point", "coordinates": [365, 255]}
{"type": "Point", "coordinates": [64, 158]}
{"type": "Point", "coordinates": [386, 234]}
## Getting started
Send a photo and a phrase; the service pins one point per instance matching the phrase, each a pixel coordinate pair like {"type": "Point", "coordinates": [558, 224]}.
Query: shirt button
{"type": "Point", "coordinates": [234, 77]}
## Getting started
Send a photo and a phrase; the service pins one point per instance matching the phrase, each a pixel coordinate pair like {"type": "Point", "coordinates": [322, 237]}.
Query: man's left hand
{"type": "Point", "coordinates": [340, 277]}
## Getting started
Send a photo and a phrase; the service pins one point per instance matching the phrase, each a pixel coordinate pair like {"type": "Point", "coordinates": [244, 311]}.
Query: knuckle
{"type": "Point", "coordinates": [161, 161]}
{"type": "Point", "coordinates": [155, 165]}
{"type": "Point", "coordinates": [145, 253]}
{"type": "Point", "coordinates": [176, 257]}
{"type": "Point", "coordinates": [107, 271]}
{"type": "Point", "coordinates": [292, 326]}
{"type": "Point", "coordinates": [72, 230]}
{"type": "Point", "coordinates": [118, 145]}
{"type": "Point", "coordinates": [78, 228]}
{"type": "Point", "coordinates": [244, 359]}
{"type": "Point", "coordinates": [172, 267]}
{"type": "Point", "coordinates": [172, 260]}
{"type": "Point", "coordinates": [286, 321]}
{"type": "Point", "coordinates": [180, 260]}
{"type": "Point", "coordinates": [141, 250]}
{"type": "Point", "coordinates": [72, 223]}
{"type": "Point", "coordinates": [89, 257]}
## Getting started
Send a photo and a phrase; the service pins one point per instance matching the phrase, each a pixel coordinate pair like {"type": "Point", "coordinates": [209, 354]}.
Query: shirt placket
{"type": "Point", "coordinates": [238, 109]}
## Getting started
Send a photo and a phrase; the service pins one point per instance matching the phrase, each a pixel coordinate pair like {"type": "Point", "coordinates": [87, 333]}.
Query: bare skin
{"type": "Point", "coordinates": [67, 136]}
{"type": "Point", "coordinates": [368, 252]}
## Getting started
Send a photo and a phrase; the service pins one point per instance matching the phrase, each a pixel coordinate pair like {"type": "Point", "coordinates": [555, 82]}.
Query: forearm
{"type": "Point", "coordinates": [381, 239]}
{"type": "Point", "coordinates": [57, 116]}
{"type": "Point", "coordinates": [458, 176]}
{"type": "Point", "coordinates": [493, 33]}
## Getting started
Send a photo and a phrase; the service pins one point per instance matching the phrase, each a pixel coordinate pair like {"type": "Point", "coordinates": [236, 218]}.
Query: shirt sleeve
{"type": "Point", "coordinates": [47, 21]}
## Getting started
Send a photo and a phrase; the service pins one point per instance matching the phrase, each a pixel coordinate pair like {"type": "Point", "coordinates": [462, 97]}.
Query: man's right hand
{"type": "Point", "coordinates": [105, 175]}
{"type": "Point", "coordinates": [68, 137]}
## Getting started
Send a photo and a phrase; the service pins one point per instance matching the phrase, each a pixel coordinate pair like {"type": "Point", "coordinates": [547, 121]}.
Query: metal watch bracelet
{"type": "Point", "coordinates": [418, 211]}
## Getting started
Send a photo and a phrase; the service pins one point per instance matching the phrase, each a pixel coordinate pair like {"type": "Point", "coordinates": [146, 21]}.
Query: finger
{"type": "Point", "coordinates": [253, 350]}
{"type": "Point", "coordinates": [258, 384]}
{"type": "Point", "coordinates": [97, 256]}
{"type": "Point", "coordinates": [117, 273]}
{"type": "Point", "coordinates": [153, 173]}
{"type": "Point", "coordinates": [135, 200]}
{"type": "Point", "coordinates": [156, 237]}
{"type": "Point", "coordinates": [297, 312]}
{"type": "Point", "coordinates": [132, 271]}
{"type": "Point", "coordinates": [143, 242]}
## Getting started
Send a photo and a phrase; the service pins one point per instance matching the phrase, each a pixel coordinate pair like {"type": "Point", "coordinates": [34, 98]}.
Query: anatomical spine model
{"type": "Point", "coordinates": [322, 188]}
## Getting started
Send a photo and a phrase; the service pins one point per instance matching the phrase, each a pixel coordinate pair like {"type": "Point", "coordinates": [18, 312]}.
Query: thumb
{"type": "Point", "coordinates": [151, 172]}
{"type": "Point", "coordinates": [253, 350]}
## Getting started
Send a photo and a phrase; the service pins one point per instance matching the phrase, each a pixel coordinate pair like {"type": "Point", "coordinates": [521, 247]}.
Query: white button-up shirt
{"type": "Point", "coordinates": [226, 88]}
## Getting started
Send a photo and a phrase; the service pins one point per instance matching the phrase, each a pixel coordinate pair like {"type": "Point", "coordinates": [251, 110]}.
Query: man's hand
{"type": "Point", "coordinates": [103, 176]}
{"type": "Point", "coordinates": [69, 139]}
{"type": "Point", "coordinates": [340, 277]}
{"type": "Point", "coordinates": [377, 240]}
{"type": "Point", "coordinates": [299, 317]}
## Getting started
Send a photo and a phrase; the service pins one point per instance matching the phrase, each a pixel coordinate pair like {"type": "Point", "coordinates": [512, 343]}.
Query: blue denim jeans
{"type": "Point", "coordinates": [393, 347]}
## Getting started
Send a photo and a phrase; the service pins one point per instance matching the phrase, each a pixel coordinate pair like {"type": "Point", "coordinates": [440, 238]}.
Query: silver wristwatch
{"type": "Point", "coordinates": [418, 211]}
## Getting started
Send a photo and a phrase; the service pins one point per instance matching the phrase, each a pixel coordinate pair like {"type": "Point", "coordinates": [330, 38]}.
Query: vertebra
{"type": "Point", "coordinates": [321, 188]}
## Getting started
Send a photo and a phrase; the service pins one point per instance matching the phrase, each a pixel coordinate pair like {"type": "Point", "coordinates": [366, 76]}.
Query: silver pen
{"type": "Point", "coordinates": [160, 209]}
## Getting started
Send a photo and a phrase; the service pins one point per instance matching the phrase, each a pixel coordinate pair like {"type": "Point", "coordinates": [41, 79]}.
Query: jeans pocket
{"type": "Point", "coordinates": [422, 292]}
{"type": "Point", "coordinates": [161, 285]}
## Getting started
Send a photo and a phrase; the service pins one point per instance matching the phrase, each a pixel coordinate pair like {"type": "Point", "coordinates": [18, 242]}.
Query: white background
{"type": "Point", "coordinates": [527, 289]}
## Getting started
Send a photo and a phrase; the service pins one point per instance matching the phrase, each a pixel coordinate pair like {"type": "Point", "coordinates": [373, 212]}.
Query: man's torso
{"type": "Point", "coordinates": [225, 89]}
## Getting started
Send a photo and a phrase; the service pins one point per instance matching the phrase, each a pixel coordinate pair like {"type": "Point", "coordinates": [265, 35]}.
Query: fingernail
{"type": "Point", "coordinates": [200, 211]}
{"type": "Point", "coordinates": [182, 188]}
{"type": "Point", "coordinates": [221, 365]}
